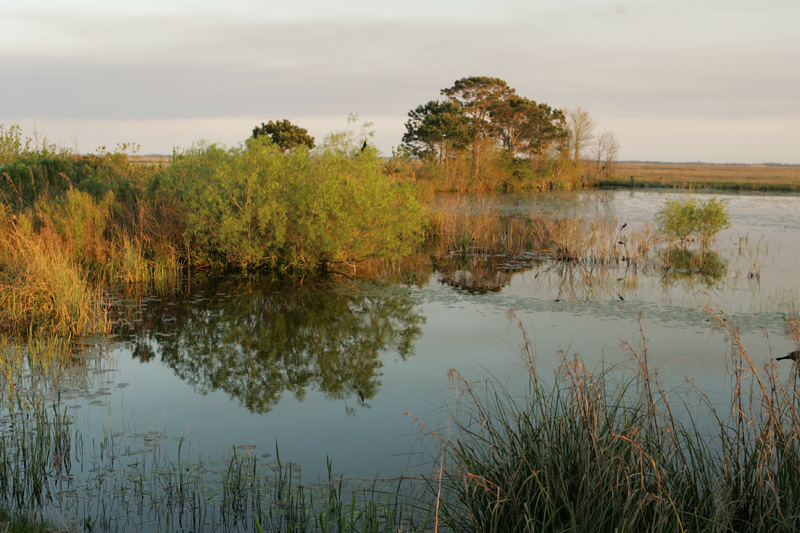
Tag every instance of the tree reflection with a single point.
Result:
(255, 339)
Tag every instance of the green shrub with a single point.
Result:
(256, 207)
(682, 218)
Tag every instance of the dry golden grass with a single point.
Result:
(743, 177)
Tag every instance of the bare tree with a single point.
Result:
(605, 150)
(581, 131)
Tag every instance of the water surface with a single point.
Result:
(337, 369)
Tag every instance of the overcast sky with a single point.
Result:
(677, 80)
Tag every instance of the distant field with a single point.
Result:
(150, 159)
(671, 175)
(704, 176)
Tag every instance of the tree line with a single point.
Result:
(482, 134)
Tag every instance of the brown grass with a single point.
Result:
(737, 177)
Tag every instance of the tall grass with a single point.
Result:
(42, 287)
(460, 225)
(614, 449)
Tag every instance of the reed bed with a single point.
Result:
(57, 259)
(52, 473)
(459, 225)
(614, 449)
(43, 288)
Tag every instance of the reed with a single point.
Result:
(51, 473)
(615, 449)
(42, 287)
(461, 225)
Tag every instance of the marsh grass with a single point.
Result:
(43, 288)
(459, 225)
(52, 473)
(615, 449)
(703, 176)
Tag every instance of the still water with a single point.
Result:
(343, 371)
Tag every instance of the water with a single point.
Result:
(348, 371)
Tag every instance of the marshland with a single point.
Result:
(258, 339)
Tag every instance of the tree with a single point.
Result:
(477, 96)
(285, 135)
(493, 126)
(523, 124)
(605, 150)
(436, 128)
(581, 131)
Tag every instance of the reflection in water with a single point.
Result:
(475, 272)
(704, 266)
(254, 339)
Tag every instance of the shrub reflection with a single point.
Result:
(255, 339)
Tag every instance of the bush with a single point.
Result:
(682, 218)
(258, 207)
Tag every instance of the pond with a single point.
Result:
(346, 371)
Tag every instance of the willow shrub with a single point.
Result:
(300, 211)
(683, 218)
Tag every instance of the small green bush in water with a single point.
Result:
(682, 218)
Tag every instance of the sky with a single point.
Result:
(678, 80)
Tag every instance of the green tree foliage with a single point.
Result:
(523, 125)
(682, 218)
(296, 211)
(285, 135)
(484, 121)
(436, 128)
(477, 96)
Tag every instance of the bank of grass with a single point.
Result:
(615, 449)
(64, 240)
(775, 178)
(581, 450)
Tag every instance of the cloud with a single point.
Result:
(197, 61)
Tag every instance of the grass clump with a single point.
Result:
(42, 286)
(614, 450)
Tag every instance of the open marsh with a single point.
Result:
(332, 370)
(706, 176)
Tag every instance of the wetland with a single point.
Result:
(205, 394)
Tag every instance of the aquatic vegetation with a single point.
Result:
(42, 286)
(590, 450)
(52, 473)
(459, 225)
(682, 218)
